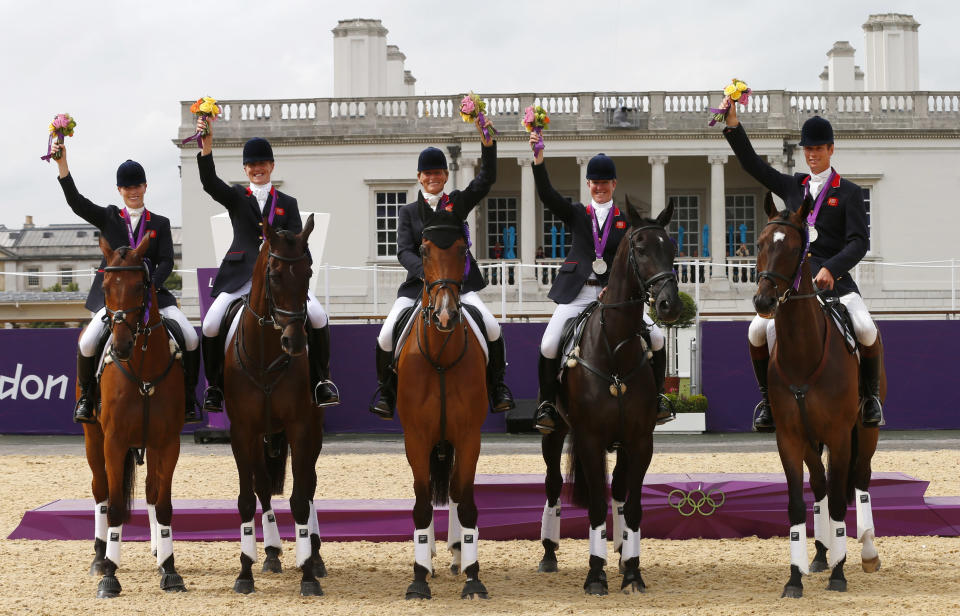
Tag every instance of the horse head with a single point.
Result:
(287, 281)
(444, 253)
(779, 255)
(126, 292)
(651, 255)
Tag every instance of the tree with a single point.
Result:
(688, 316)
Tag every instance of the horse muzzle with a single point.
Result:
(765, 305)
(293, 340)
(446, 319)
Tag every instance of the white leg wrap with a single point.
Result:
(619, 523)
(821, 522)
(114, 537)
(164, 543)
(152, 516)
(453, 528)
(598, 542)
(100, 521)
(798, 548)
(469, 537)
(303, 543)
(838, 542)
(248, 540)
(631, 544)
(312, 521)
(422, 553)
(550, 523)
(271, 534)
(864, 514)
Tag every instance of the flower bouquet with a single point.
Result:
(535, 119)
(208, 109)
(472, 108)
(62, 126)
(736, 92)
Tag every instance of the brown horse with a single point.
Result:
(141, 408)
(442, 403)
(609, 401)
(813, 388)
(267, 391)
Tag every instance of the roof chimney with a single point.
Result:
(28, 224)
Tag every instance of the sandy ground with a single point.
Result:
(919, 574)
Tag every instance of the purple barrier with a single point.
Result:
(918, 357)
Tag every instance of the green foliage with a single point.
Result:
(46, 325)
(693, 404)
(57, 287)
(688, 313)
(174, 282)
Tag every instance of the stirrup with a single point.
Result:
(872, 424)
(506, 399)
(83, 418)
(213, 400)
(379, 397)
(335, 400)
(546, 410)
(756, 413)
(664, 404)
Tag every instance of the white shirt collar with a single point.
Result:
(602, 209)
(261, 192)
(817, 181)
(431, 199)
(134, 215)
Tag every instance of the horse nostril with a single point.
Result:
(285, 341)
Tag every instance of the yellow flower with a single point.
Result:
(730, 90)
(208, 99)
(741, 86)
(209, 108)
(735, 96)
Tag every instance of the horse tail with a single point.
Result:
(275, 455)
(129, 482)
(441, 461)
(852, 470)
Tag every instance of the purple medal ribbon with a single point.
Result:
(135, 243)
(273, 206)
(811, 220)
(599, 244)
(49, 155)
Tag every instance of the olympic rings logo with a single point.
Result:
(696, 501)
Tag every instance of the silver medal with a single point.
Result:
(599, 267)
(812, 233)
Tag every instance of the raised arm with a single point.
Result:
(555, 202)
(778, 183)
(212, 184)
(408, 250)
(81, 206)
(487, 177)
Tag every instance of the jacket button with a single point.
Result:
(260, 224)
(809, 254)
(260, 238)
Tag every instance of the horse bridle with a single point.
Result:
(271, 317)
(112, 317)
(789, 293)
(428, 311)
(646, 285)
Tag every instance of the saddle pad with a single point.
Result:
(175, 344)
(233, 317)
(840, 316)
(415, 312)
(571, 334)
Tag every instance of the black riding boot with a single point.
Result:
(665, 412)
(83, 412)
(762, 417)
(548, 418)
(386, 385)
(500, 397)
(213, 369)
(191, 372)
(325, 393)
(870, 386)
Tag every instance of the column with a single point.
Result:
(717, 214)
(658, 185)
(468, 171)
(584, 190)
(528, 216)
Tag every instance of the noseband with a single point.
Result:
(272, 310)
(113, 317)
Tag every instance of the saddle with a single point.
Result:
(572, 333)
(231, 319)
(401, 329)
(838, 314)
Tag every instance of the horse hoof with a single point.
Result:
(96, 567)
(172, 582)
(792, 592)
(548, 566)
(108, 588)
(272, 564)
(455, 569)
(598, 589)
(871, 565)
(818, 565)
(633, 588)
(243, 586)
(310, 588)
(837, 585)
(621, 568)
(418, 590)
(474, 589)
(319, 569)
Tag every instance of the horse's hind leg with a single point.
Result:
(93, 441)
(552, 448)
(618, 497)
(272, 544)
(170, 580)
(246, 451)
(866, 446)
(304, 460)
(821, 512)
(638, 463)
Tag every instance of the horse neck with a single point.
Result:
(800, 327)
(258, 286)
(622, 285)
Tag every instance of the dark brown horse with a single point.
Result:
(141, 408)
(609, 401)
(442, 403)
(813, 388)
(267, 390)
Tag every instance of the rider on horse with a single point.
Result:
(839, 238)
(126, 227)
(432, 175)
(248, 207)
(597, 229)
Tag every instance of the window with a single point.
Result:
(66, 276)
(388, 204)
(47, 235)
(684, 228)
(33, 278)
(81, 234)
(556, 239)
(501, 220)
(741, 217)
(866, 202)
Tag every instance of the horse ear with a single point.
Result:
(806, 207)
(307, 229)
(632, 215)
(663, 218)
(269, 234)
(141, 249)
(105, 249)
(769, 206)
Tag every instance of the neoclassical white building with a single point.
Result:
(355, 155)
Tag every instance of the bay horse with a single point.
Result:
(609, 401)
(442, 403)
(813, 389)
(142, 389)
(268, 401)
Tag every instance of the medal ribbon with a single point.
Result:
(599, 244)
(811, 221)
(273, 205)
(135, 243)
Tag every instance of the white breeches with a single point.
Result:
(763, 330)
(385, 338)
(96, 328)
(551, 336)
(211, 323)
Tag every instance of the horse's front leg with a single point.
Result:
(120, 467)
(866, 447)
(592, 457)
(821, 512)
(836, 493)
(262, 487)
(467, 452)
(637, 462)
(246, 449)
(93, 441)
(304, 461)
(418, 455)
(170, 580)
(791, 456)
(552, 447)
(618, 497)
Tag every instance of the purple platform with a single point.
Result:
(511, 507)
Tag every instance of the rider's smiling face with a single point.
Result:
(818, 157)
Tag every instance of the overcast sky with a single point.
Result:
(121, 67)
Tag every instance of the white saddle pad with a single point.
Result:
(477, 335)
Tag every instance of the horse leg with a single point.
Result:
(593, 460)
(245, 453)
(272, 544)
(152, 490)
(836, 492)
(821, 513)
(423, 537)
(637, 463)
(303, 464)
(93, 441)
(791, 456)
(618, 496)
(552, 447)
(467, 452)
(866, 447)
(116, 458)
(316, 444)
(170, 580)
(454, 528)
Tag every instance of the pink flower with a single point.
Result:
(467, 105)
(528, 115)
(61, 121)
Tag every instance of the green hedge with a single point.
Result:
(693, 404)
